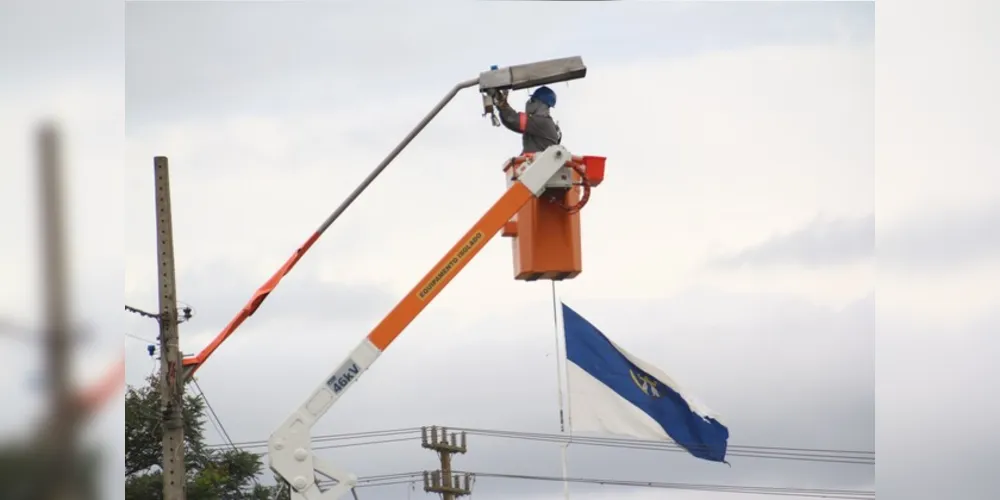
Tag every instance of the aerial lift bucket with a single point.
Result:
(545, 233)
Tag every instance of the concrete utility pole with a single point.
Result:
(61, 435)
(442, 481)
(171, 376)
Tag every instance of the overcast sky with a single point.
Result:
(733, 243)
(744, 123)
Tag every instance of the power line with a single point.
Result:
(749, 451)
(628, 440)
(406, 478)
(217, 423)
(531, 435)
(720, 488)
(220, 428)
(140, 312)
(341, 436)
(137, 337)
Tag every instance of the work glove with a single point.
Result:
(500, 98)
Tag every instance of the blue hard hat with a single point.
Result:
(545, 95)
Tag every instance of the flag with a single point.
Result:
(613, 392)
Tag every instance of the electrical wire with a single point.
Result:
(220, 428)
(365, 443)
(140, 312)
(404, 478)
(341, 436)
(213, 419)
(331, 441)
(137, 337)
(528, 435)
(409, 434)
(759, 490)
(217, 422)
(750, 451)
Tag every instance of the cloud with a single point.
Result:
(303, 309)
(934, 239)
(937, 308)
(945, 374)
(81, 40)
(301, 297)
(218, 74)
(933, 262)
(927, 239)
(822, 243)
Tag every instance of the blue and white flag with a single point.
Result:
(612, 391)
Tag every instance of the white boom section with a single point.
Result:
(290, 447)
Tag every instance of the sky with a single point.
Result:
(733, 244)
(726, 140)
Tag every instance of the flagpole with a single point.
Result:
(559, 384)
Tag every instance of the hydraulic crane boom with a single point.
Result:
(497, 79)
(289, 447)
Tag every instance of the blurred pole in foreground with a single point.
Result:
(171, 375)
(49, 463)
(61, 436)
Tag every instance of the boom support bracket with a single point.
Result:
(289, 448)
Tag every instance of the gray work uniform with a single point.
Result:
(537, 128)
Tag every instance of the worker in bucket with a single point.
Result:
(537, 128)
